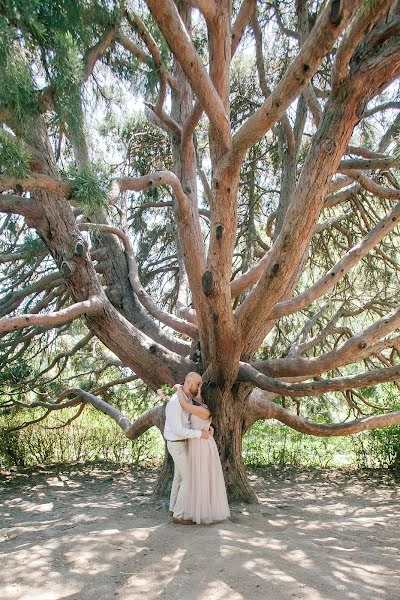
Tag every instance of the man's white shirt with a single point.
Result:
(177, 423)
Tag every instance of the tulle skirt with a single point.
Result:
(206, 499)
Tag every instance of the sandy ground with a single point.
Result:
(90, 533)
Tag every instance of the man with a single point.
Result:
(177, 432)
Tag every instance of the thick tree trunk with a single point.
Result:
(228, 435)
(162, 488)
(229, 422)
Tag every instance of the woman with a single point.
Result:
(206, 500)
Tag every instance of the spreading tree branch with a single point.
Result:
(91, 306)
(317, 388)
(355, 348)
(265, 409)
(154, 416)
(168, 319)
(342, 267)
(167, 17)
(299, 73)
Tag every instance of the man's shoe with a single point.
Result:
(178, 521)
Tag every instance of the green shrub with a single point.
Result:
(92, 437)
(379, 448)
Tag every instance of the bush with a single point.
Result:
(379, 448)
(91, 437)
(269, 443)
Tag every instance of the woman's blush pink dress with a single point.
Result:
(206, 499)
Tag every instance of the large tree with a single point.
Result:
(247, 231)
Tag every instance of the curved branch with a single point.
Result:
(380, 108)
(207, 8)
(140, 27)
(103, 388)
(238, 28)
(299, 73)
(171, 125)
(317, 388)
(154, 416)
(147, 182)
(45, 283)
(133, 49)
(243, 18)
(293, 241)
(96, 52)
(364, 152)
(168, 319)
(265, 409)
(286, 307)
(357, 347)
(189, 230)
(167, 18)
(367, 164)
(341, 197)
(291, 144)
(21, 206)
(190, 125)
(342, 267)
(368, 184)
(15, 256)
(91, 306)
(35, 181)
(367, 16)
(27, 423)
(46, 99)
(62, 355)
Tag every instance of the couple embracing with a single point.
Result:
(198, 493)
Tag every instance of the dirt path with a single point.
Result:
(89, 533)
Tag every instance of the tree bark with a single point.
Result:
(229, 424)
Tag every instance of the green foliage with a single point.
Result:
(32, 246)
(14, 156)
(274, 444)
(89, 188)
(380, 448)
(17, 371)
(93, 437)
(16, 86)
(67, 72)
(24, 13)
(167, 390)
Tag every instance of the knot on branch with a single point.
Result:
(66, 269)
(336, 12)
(207, 282)
(275, 269)
(328, 147)
(195, 356)
(79, 249)
(219, 231)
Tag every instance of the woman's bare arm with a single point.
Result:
(199, 411)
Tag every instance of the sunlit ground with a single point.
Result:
(88, 533)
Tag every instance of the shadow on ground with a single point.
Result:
(92, 533)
